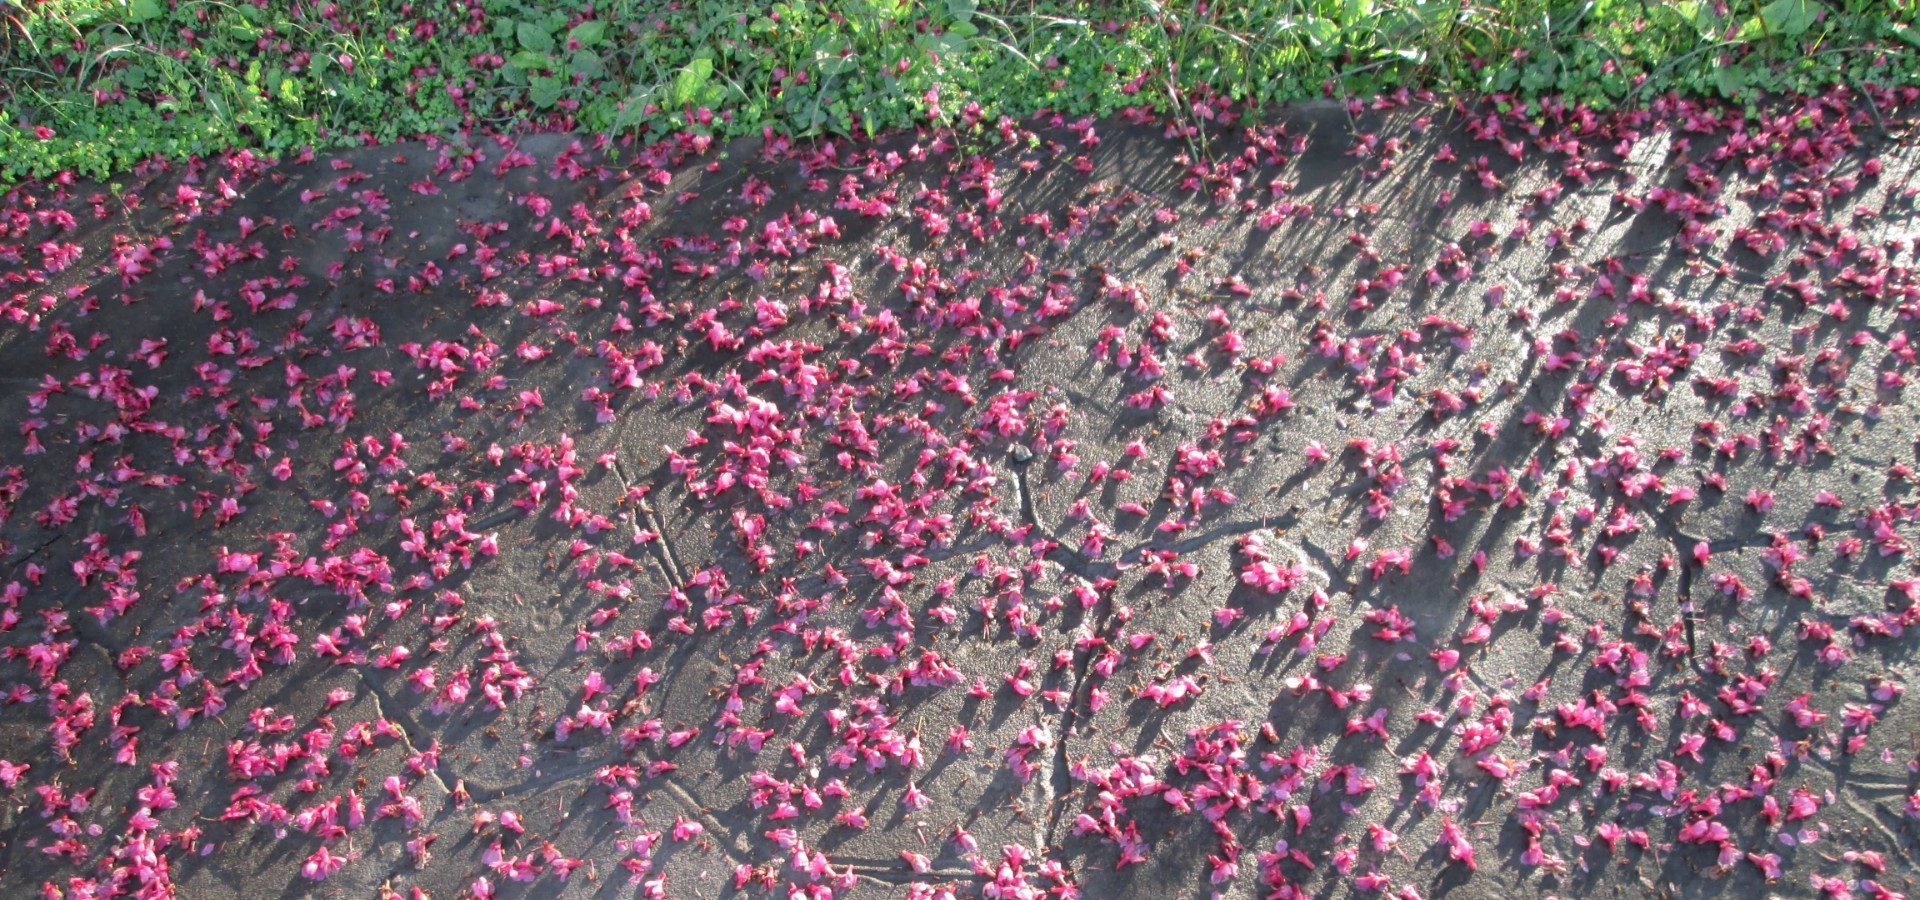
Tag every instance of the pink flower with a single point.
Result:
(321, 864)
(1767, 863)
(1459, 849)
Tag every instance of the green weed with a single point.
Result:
(95, 86)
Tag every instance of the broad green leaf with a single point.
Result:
(530, 60)
(633, 110)
(831, 63)
(1791, 18)
(942, 45)
(1321, 32)
(597, 114)
(691, 81)
(588, 33)
(962, 10)
(1537, 78)
(544, 92)
(1728, 81)
(1699, 15)
(586, 63)
(535, 38)
(144, 10)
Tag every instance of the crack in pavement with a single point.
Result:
(1318, 560)
(1200, 541)
(496, 518)
(1060, 779)
(1871, 813)
(1058, 552)
(892, 876)
(400, 718)
(665, 556)
(671, 560)
(1683, 588)
(501, 792)
(739, 852)
(1683, 544)
(942, 554)
(38, 549)
(731, 844)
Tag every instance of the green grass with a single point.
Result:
(93, 87)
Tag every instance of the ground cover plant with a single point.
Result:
(95, 86)
(1407, 498)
